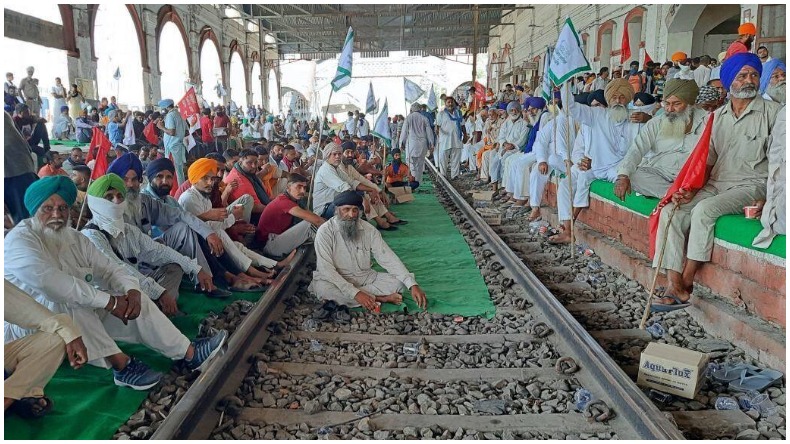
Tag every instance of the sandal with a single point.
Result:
(247, 287)
(325, 311)
(676, 304)
(731, 372)
(342, 315)
(30, 408)
(757, 380)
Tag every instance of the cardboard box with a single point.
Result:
(483, 195)
(491, 217)
(402, 194)
(672, 369)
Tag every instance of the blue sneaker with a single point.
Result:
(205, 349)
(136, 375)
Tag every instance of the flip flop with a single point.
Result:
(399, 222)
(30, 408)
(342, 315)
(757, 380)
(731, 372)
(677, 304)
(325, 311)
(251, 289)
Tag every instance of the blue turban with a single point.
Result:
(64, 108)
(270, 119)
(768, 69)
(348, 145)
(159, 165)
(123, 164)
(41, 190)
(536, 102)
(164, 103)
(514, 105)
(733, 65)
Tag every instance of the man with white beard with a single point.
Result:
(474, 129)
(496, 118)
(660, 150)
(736, 176)
(450, 136)
(416, 138)
(609, 134)
(63, 270)
(772, 81)
(512, 136)
(519, 164)
(343, 247)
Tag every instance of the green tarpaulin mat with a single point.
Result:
(434, 250)
(67, 143)
(88, 404)
(734, 228)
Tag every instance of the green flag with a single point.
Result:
(343, 75)
(382, 127)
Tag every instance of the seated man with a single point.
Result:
(397, 173)
(736, 174)
(347, 278)
(54, 167)
(157, 267)
(490, 142)
(81, 176)
(61, 268)
(31, 362)
(773, 213)
(75, 159)
(203, 176)
(331, 180)
(512, 136)
(245, 173)
(284, 226)
(661, 148)
(63, 126)
(551, 156)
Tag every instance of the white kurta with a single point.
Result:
(344, 268)
(515, 133)
(520, 166)
(417, 135)
(329, 182)
(773, 218)
(449, 145)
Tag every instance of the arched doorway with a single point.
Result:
(634, 21)
(255, 83)
(238, 87)
(274, 96)
(295, 102)
(605, 36)
(173, 62)
(117, 52)
(702, 29)
(211, 74)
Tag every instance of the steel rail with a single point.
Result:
(627, 399)
(195, 416)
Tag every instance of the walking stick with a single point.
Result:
(658, 269)
(566, 108)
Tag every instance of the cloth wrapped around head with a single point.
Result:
(41, 190)
(679, 56)
(747, 29)
(645, 98)
(707, 94)
(111, 114)
(395, 151)
(514, 105)
(166, 103)
(620, 86)
(768, 70)
(108, 181)
(123, 164)
(597, 96)
(159, 165)
(64, 108)
(415, 107)
(685, 90)
(201, 168)
(733, 65)
(581, 98)
(348, 197)
(536, 102)
(348, 145)
(330, 148)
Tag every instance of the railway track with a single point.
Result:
(420, 375)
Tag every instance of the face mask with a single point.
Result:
(634, 71)
(107, 215)
(685, 68)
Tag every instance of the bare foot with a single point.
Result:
(562, 238)
(534, 215)
(394, 298)
(519, 203)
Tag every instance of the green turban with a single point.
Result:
(41, 190)
(106, 182)
(685, 90)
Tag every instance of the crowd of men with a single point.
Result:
(91, 259)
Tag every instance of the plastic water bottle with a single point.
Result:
(315, 346)
(656, 330)
(726, 403)
(310, 324)
(581, 398)
(411, 349)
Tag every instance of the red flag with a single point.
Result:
(647, 59)
(188, 105)
(99, 140)
(334, 120)
(150, 133)
(625, 53)
(691, 177)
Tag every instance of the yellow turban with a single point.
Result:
(747, 28)
(621, 86)
(202, 168)
(679, 56)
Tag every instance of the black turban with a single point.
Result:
(598, 96)
(645, 98)
(349, 197)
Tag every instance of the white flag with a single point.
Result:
(371, 106)
(432, 106)
(382, 128)
(546, 89)
(343, 74)
(128, 133)
(412, 91)
(568, 57)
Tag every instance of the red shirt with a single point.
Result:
(48, 170)
(207, 129)
(222, 122)
(181, 188)
(734, 48)
(275, 218)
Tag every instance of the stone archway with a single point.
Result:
(688, 26)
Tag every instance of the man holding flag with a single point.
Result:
(734, 176)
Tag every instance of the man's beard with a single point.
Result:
(132, 193)
(533, 120)
(50, 233)
(277, 158)
(673, 126)
(618, 113)
(777, 92)
(349, 228)
(748, 91)
(348, 161)
(162, 190)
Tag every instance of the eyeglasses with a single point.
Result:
(49, 209)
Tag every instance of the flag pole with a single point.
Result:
(315, 163)
(646, 313)
(566, 109)
(84, 201)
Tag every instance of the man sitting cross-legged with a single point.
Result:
(343, 246)
(61, 268)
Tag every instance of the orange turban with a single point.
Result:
(747, 28)
(679, 56)
(202, 168)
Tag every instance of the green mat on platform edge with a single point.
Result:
(434, 250)
(88, 404)
(69, 143)
(734, 228)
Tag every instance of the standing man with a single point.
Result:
(20, 170)
(174, 130)
(363, 127)
(416, 139)
(702, 73)
(602, 79)
(28, 89)
(743, 43)
(351, 124)
(451, 134)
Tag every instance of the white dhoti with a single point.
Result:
(581, 189)
(497, 161)
(518, 177)
(537, 181)
(485, 164)
(374, 284)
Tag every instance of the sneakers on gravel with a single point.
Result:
(205, 349)
(136, 375)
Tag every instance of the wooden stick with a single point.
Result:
(84, 202)
(566, 108)
(658, 270)
(315, 163)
